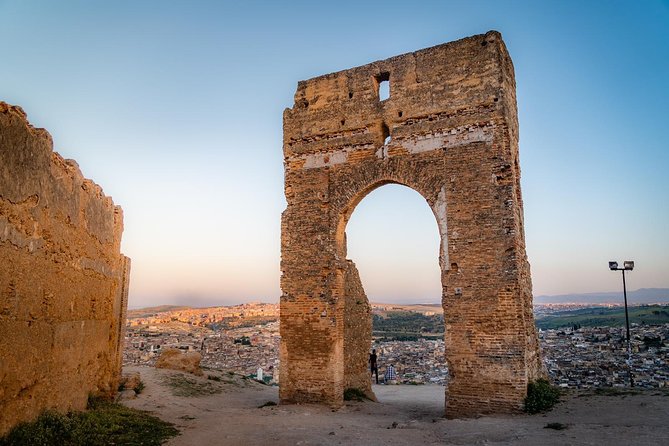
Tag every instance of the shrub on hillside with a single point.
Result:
(541, 396)
(353, 394)
(104, 423)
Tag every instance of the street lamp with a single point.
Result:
(628, 265)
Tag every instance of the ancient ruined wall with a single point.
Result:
(63, 280)
(452, 122)
(357, 333)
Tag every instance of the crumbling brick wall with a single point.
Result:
(357, 333)
(449, 130)
(63, 280)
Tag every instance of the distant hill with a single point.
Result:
(605, 317)
(640, 296)
(381, 308)
(149, 311)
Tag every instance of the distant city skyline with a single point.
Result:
(175, 109)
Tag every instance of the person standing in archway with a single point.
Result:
(373, 365)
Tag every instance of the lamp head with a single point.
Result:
(613, 266)
(629, 265)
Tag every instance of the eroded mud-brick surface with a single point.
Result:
(63, 280)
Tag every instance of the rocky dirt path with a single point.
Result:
(227, 412)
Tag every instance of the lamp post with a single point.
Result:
(628, 265)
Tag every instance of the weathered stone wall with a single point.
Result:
(63, 281)
(357, 333)
(452, 122)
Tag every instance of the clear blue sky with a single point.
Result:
(175, 109)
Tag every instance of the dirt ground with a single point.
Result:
(226, 410)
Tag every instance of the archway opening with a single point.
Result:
(393, 239)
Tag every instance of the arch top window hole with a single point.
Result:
(384, 90)
(383, 86)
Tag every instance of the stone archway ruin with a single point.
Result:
(449, 130)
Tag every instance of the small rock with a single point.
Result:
(172, 358)
(128, 394)
(130, 381)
